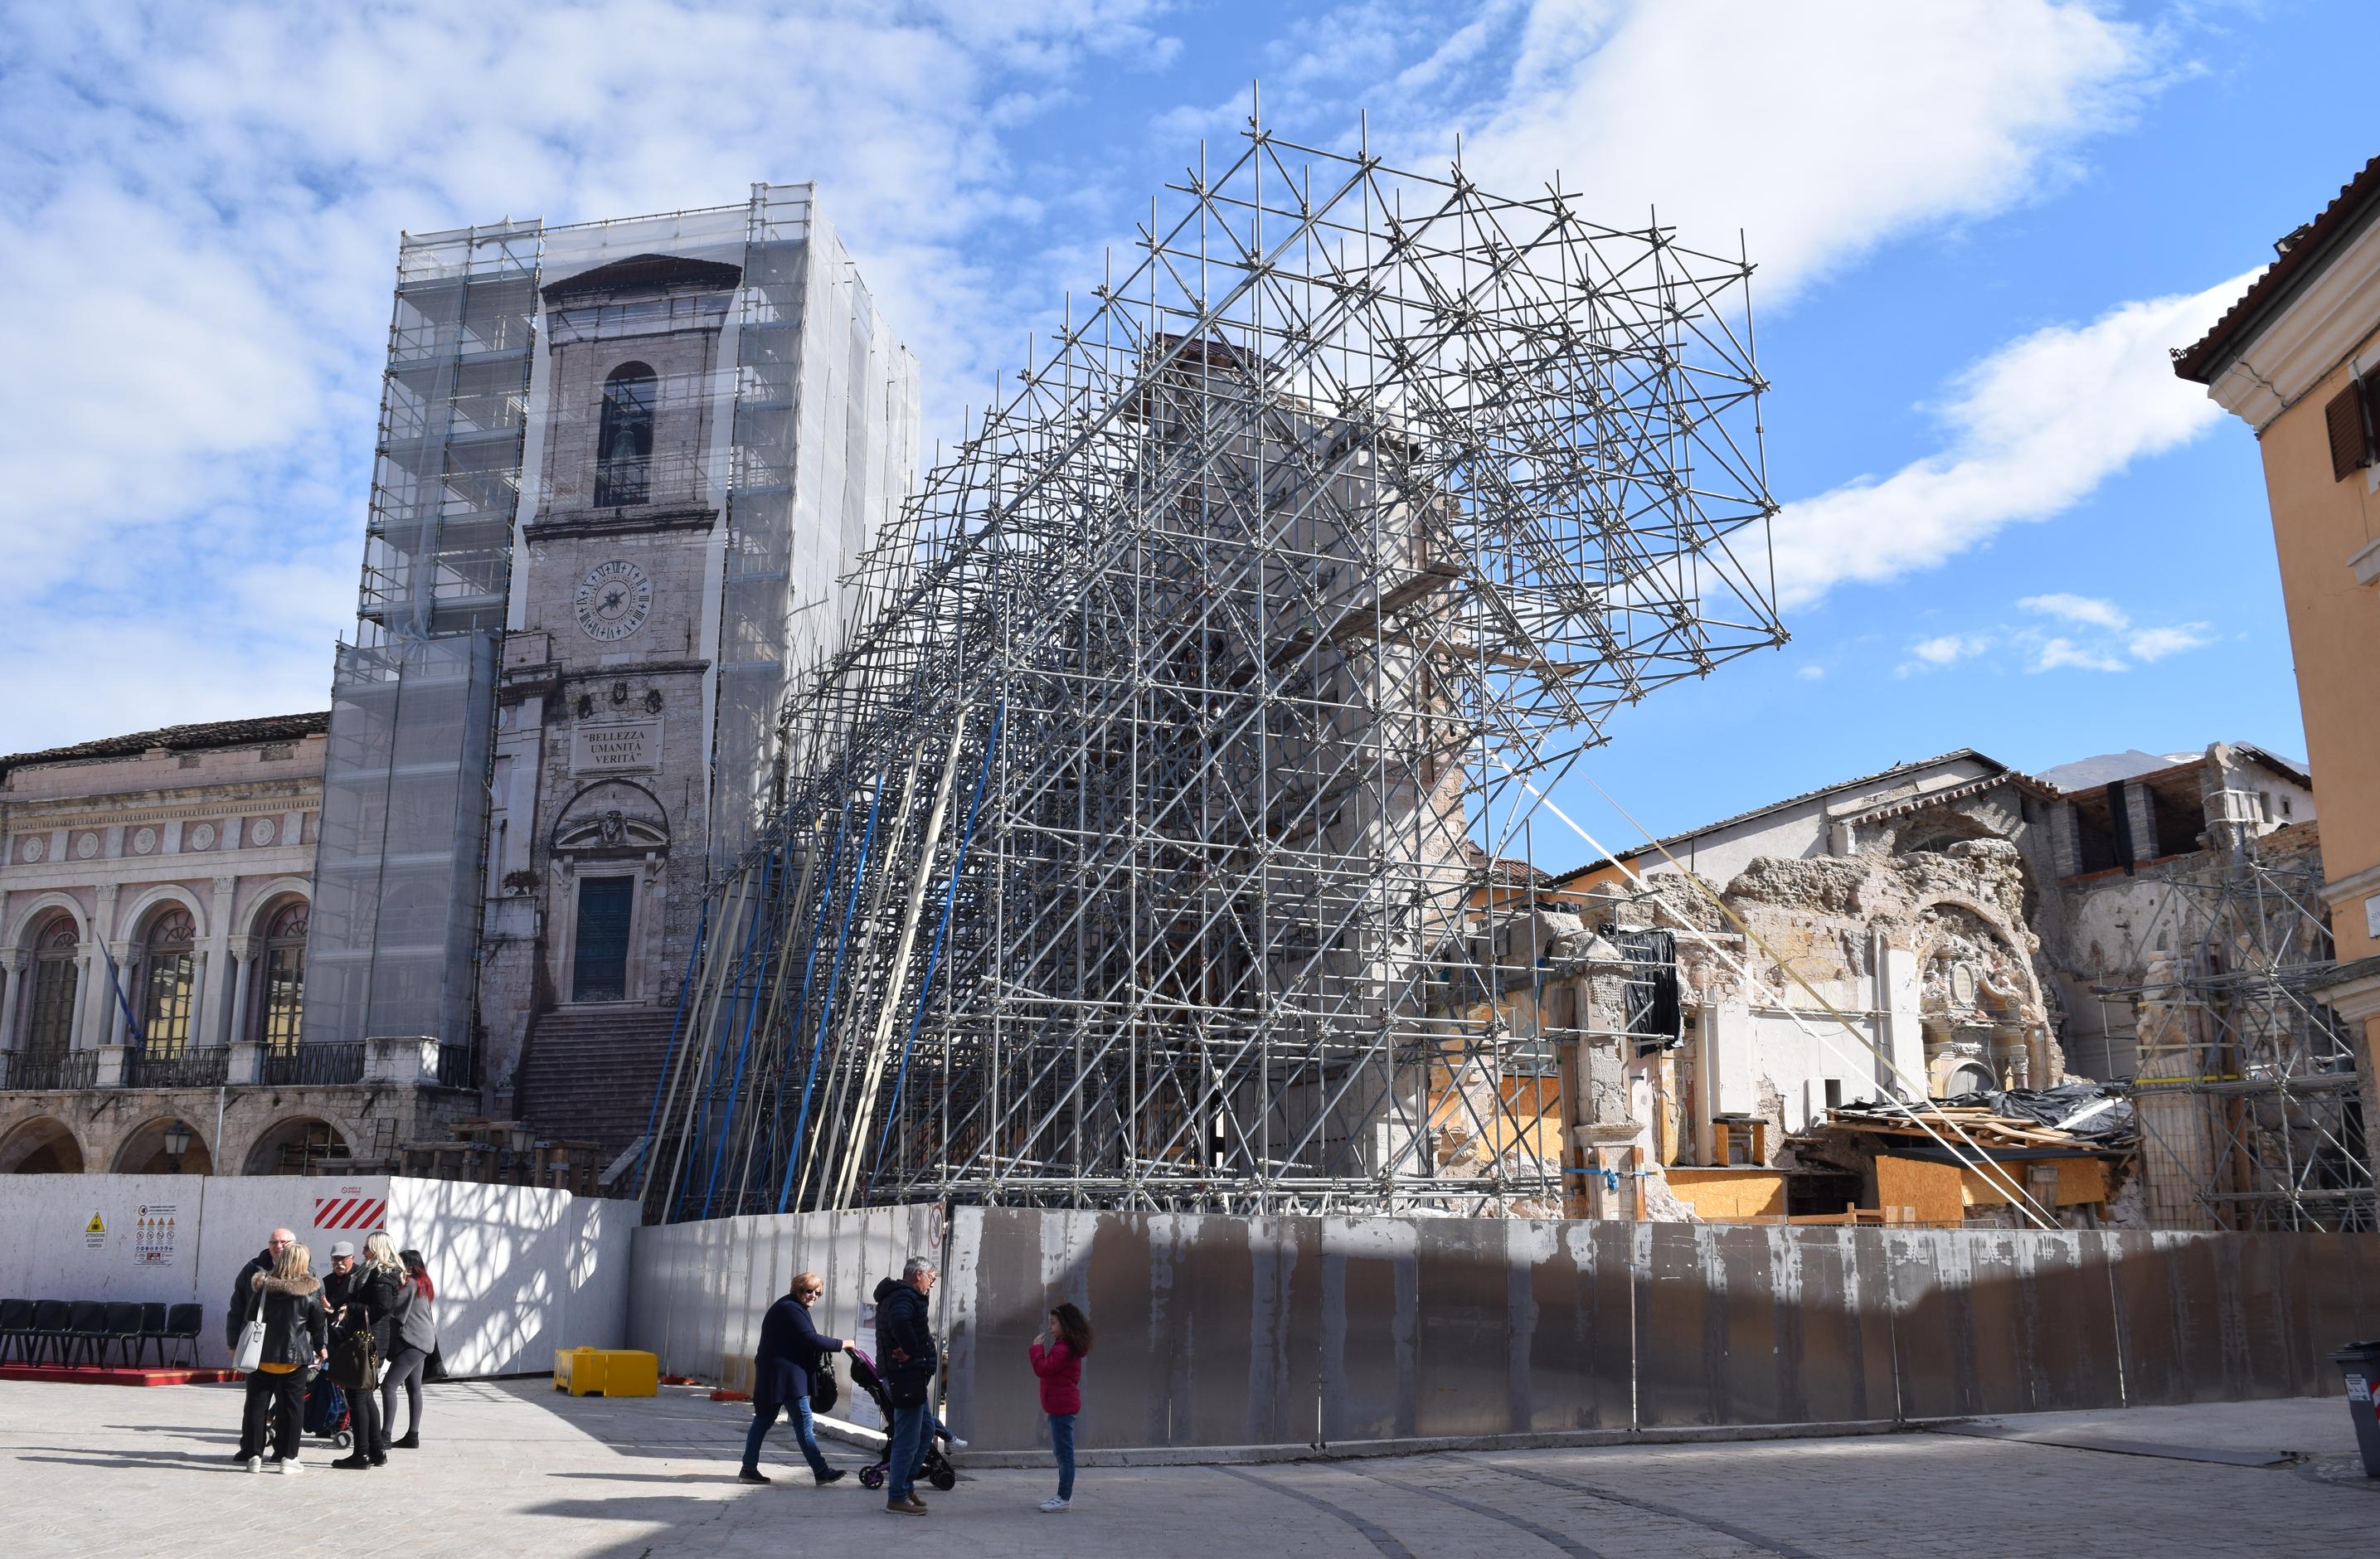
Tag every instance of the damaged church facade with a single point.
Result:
(1718, 1005)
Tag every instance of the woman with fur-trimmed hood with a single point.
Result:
(296, 1333)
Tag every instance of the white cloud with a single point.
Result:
(2156, 643)
(1950, 648)
(2033, 429)
(2096, 635)
(1811, 673)
(2064, 652)
(1816, 130)
(2077, 609)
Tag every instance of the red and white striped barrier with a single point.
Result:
(349, 1210)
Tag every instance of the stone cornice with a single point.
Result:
(42, 817)
(2294, 349)
(2355, 884)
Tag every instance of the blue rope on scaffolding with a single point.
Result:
(770, 870)
(718, 1057)
(809, 971)
(942, 932)
(833, 984)
(669, 1056)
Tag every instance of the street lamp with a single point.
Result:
(177, 1142)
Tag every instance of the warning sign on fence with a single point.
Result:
(94, 1234)
(153, 1236)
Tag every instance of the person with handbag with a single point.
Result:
(362, 1297)
(282, 1330)
(243, 1305)
(789, 1370)
(414, 1334)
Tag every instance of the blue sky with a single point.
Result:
(1979, 227)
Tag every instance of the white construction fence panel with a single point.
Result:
(519, 1270)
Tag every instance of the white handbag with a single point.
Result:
(251, 1352)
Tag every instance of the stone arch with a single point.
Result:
(142, 1151)
(1938, 828)
(267, 902)
(1955, 1074)
(298, 1132)
(612, 817)
(37, 911)
(1991, 924)
(43, 1145)
(132, 922)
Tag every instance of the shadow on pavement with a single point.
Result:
(728, 1477)
(191, 1461)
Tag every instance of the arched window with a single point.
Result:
(624, 443)
(284, 979)
(48, 1022)
(166, 983)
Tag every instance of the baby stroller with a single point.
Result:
(326, 1412)
(937, 1469)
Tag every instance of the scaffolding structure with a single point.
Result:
(2247, 1094)
(396, 910)
(1176, 756)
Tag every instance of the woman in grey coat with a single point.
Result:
(416, 1325)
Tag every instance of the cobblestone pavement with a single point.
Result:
(514, 1468)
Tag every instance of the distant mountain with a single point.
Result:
(2109, 767)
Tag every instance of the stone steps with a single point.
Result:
(590, 1074)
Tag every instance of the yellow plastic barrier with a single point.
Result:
(606, 1373)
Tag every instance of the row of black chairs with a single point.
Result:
(71, 1332)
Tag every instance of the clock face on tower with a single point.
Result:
(612, 600)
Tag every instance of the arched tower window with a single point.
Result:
(169, 976)
(284, 979)
(49, 1019)
(624, 442)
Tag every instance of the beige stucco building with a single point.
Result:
(154, 896)
(2298, 359)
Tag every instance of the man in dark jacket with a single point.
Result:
(907, 1355)
(792, 1352)
(241, 1309)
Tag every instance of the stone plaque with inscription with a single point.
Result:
(635, 744)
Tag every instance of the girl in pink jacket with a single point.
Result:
(1060, 1365)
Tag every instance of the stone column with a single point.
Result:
(2065, 840)
(1898, 998)
(89, 971)
(115, 1032)
(114, 1061)
(207, 1024)
(241, 950)
(2140, 812)
(12, 994)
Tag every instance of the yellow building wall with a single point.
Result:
(2318, 524)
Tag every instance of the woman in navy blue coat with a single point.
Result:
(791, 1350)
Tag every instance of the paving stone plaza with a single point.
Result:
(511, 1468)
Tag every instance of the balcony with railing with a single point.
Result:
(313, 1066)
(22, 1072)
(186, 1066)
(459, 1065)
